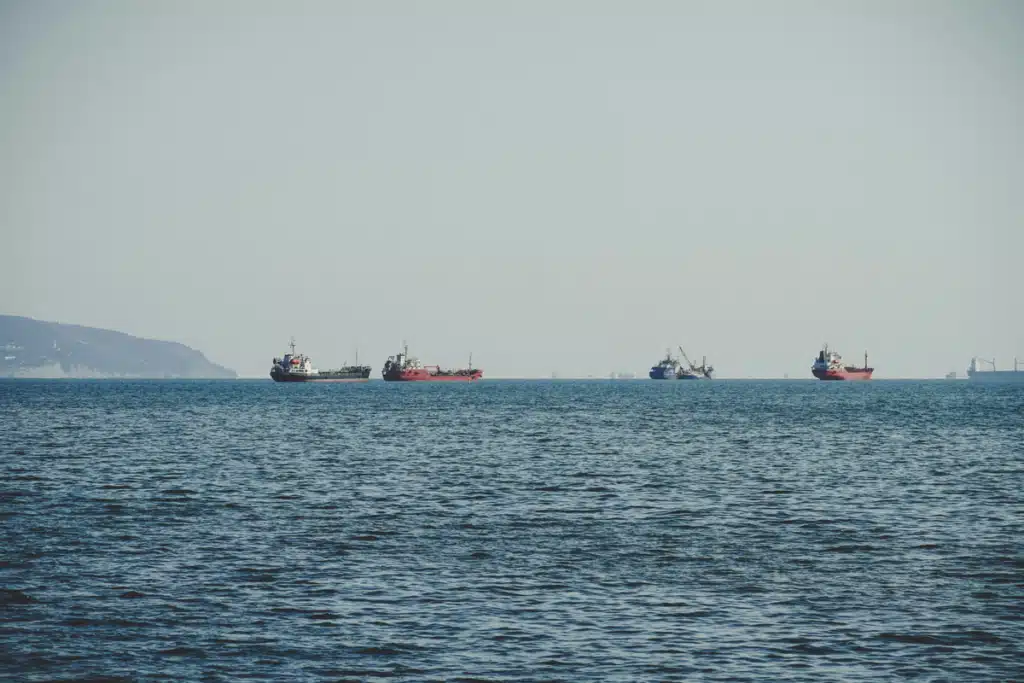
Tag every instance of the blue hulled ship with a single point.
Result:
(666, 368)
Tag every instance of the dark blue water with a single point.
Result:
(570, 531)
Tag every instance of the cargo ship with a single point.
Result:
(977, 374)
(403, 368)
(673, 368)
(296, 367)
(829, 366)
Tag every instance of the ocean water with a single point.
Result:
(511, 531)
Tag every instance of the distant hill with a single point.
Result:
(34, 348)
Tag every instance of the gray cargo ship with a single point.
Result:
(977, 374)
(296, 367)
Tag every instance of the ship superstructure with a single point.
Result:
(666, 368)
(829, 366)
(405, 368)
(297, 367)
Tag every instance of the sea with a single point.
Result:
(511, 531)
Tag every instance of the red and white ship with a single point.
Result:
(829, 365)
(403, 368)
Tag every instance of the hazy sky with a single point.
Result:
(555, 186)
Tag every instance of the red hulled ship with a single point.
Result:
(829, 366)
(403, 368)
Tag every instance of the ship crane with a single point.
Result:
(703, 367)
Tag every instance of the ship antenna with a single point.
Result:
(865, 360)
(470, 360)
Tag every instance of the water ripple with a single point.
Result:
(511, 531)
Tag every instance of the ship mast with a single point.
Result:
(292, 344)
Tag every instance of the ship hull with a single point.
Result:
(424, 376)
(323, 377)
(689, 375)
(838, 375)
(997, 376)
(662, 373)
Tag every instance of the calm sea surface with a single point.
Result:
(511, 531)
